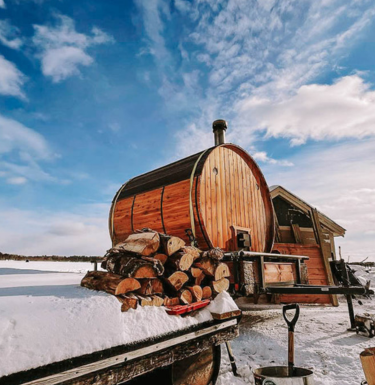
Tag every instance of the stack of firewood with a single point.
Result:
(153, 269)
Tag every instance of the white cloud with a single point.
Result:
(60, 63)
(11, 79)
(83, 231)
(63, 49)
(2, 4)
(262, 156)
(8, 35)
(345, 109)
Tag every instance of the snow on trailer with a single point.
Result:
(50, 325)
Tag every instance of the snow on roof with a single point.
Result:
(46, 316)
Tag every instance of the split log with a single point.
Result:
(101, 281)
(170, 244)
(186, 297)
(158, 265)
(222, 271)
(144, 300)
(195, 252)
(207, 265)
(145, 243)
(200, 279)
(161, 257)
(181, 261)
(177, 280)
(220, 285)
(127, 285)
(128, 302)
(157, 301)
(196, 291)
(150, 286)
(152, 300)
(206, 292)
(216, 254)
(130, 266)
(168, 302)
(195, 272)
(368, 365)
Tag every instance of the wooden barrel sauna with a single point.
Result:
(216, 193)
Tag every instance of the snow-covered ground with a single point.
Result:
(45, 316)
(322, 343)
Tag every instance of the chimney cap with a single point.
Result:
(219, 124)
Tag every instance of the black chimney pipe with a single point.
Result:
(219, 127)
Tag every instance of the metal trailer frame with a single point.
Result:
(341, 275)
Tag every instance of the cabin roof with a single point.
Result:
(331, 225)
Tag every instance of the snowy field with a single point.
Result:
(45, 316)
(322, 343)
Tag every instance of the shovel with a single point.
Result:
(291, 324)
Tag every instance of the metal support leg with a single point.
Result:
(349, 300)
(231, 359)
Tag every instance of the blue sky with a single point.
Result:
(94, 92)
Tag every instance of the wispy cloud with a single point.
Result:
(262, 157)
(11, 79)
(21, 139)
(9, 35)
(264, 50)
(2, 4)
(62, 49)
(153, 13)
(21, 150)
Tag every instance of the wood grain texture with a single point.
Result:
(234, 197)
(122, 220)
(147, 211)
(315, 267)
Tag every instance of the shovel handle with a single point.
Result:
(291, 323)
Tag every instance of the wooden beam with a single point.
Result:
(297, 233)
(326, 255)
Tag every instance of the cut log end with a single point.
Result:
(186, 297)
(178, 279)
(127, 285)
(220, 285)
(206, 292)
(168, 302)
(196, 291)
(171, 244)
(221, 271)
